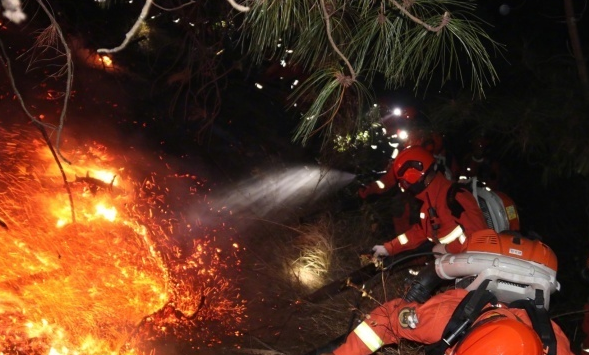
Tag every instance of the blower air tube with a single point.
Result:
(423, 285)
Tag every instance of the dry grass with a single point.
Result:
(313, 253)
(310, 256)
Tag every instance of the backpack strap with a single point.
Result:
(455, 207)
(464, 315)
(540, 320)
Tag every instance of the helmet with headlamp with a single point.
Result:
(411, 168)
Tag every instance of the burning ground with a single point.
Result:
(118, 267)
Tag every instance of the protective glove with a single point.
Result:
(439, 248)
(379, 251)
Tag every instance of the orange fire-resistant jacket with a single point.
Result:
(383, 326)
(452, 231)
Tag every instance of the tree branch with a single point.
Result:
(5, 61)
(70, 78)
(443, 23)
(352, 77)
(174, 8)
(132, 31)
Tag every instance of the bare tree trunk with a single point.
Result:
(576, 44)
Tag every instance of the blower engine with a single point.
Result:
(517, 268)
(498, 208)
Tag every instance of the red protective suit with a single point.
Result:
(470, 220)
(384, 326)
(380, 186)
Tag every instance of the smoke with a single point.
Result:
(277, 194)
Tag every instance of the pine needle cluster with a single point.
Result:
(345, 46)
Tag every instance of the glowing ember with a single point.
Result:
(129, 273)
(106, 60)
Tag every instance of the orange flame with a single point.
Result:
(119, 279)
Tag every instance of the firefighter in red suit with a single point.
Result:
(430, 141)
(447, 225)
(433, 142)
(497, 330)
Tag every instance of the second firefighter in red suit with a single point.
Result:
(433, 142)
(441, 223)
(498, 330)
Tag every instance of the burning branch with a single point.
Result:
(94, 184)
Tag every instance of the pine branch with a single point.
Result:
(129, 35)
(352, 78)
(409, 41)
(443, 23)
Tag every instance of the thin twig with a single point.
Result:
(332, 42)
(70, 78)
(131, 32)
(443, 23)
(174, 8)
(334, 112)
(363, 291)
(5, 61)
(581, 311)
